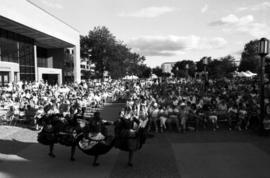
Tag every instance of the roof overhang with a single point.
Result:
(40, 38)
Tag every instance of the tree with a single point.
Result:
(97, 47)
(250, 58)
(144, 71)
(179, 69)
(200, 64)
(157, 71)
(223, 67)
(87, 74)
(101, 48)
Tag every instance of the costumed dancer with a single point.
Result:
(58, 129)
(47, 136)
(95, 141)
(130, 133)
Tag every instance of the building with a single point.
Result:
(35, 45)
(167, 67)
(86, 69)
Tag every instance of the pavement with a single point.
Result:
(203, 154)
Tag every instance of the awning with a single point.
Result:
(41, 39)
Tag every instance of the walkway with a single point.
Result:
(203, 154)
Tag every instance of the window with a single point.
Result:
(19, 49)
(26, 61)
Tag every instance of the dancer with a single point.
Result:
(58, 129)
(130, 133)
(96, 141)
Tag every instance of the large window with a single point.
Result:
(19, 49)
(26, 61)
(8, 50)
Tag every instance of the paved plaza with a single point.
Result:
(202, 154)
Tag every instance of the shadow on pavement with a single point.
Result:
(27, 160)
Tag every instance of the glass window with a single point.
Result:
(19, 49)
(9, 50)
(26, 61)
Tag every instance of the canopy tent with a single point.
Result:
(251, 73)
(130, 77)
(154, 76)
(245, 74)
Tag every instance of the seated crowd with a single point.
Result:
(169, 105)
(30, 101)
(182, 105)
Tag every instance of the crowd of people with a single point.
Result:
(150, 106)
(29, 101)
(193, 105)
(169, 105)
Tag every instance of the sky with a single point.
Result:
(170, 30)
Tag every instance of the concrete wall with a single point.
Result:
(10, 67)
(42, 70)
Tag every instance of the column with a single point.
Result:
(35, 61)
(11, 76)
(77, 62)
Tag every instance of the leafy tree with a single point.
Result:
(166, 74)
(180, 70)
(101, 48)
(223, 67)
(144, 71)
(157, 71)
(87, 74)
(250, 58)
(200, 64)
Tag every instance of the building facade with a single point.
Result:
(35, 45)
(86, 69)
(167, 67)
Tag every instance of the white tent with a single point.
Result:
(130, 77)
(250, 73)
(245, 74)
(154, 76)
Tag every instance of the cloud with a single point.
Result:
(244, 24)
(261, 6)
(149, 12)
(233, 20)
(239, 9)
(256, 7)
(204, 8)
(52, 4)
(238, 52)
(173, 45)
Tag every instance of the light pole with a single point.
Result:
(205, 62)
(263, 50)
(177, 72)
(187, 67)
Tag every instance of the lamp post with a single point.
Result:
(187, 67)
(205, 62)
(263, 50)
(177, 72)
